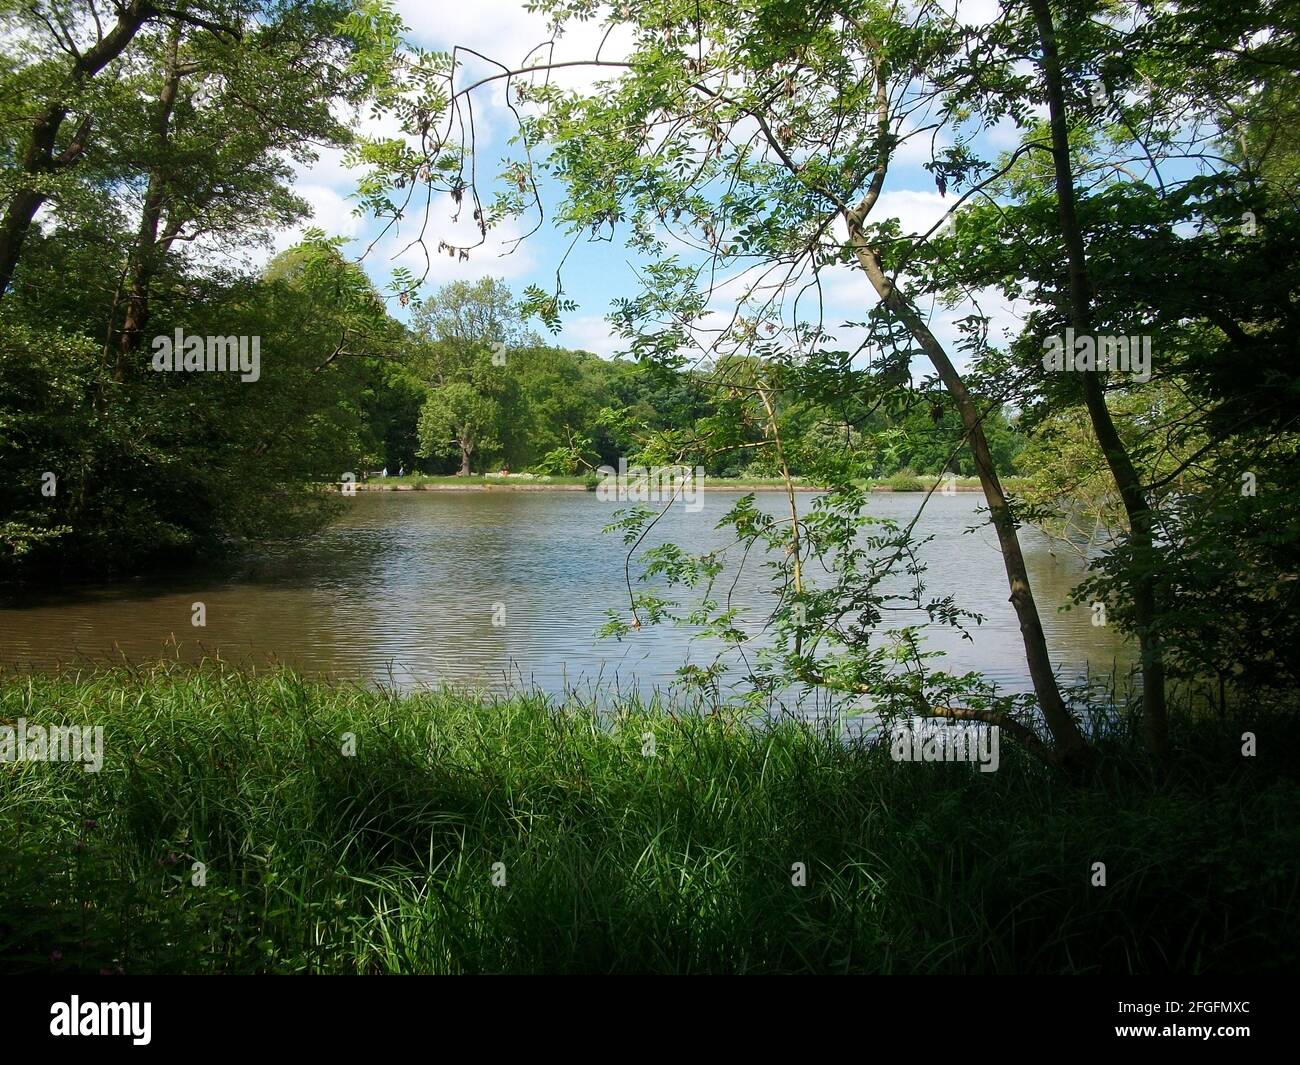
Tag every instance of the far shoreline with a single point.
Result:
(480, 484)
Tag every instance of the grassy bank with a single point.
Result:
(612, 860)
(422, 480)
(426, 482)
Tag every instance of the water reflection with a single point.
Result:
(404, 587)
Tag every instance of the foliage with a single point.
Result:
(613, 861)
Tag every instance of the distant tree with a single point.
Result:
(459, 419)
(466, 332)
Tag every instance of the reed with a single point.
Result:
(472, 834)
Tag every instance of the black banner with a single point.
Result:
(340, 1014)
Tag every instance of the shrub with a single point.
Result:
(905, 480)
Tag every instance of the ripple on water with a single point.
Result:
(405, 588)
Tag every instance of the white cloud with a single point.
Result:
(501, 29)
(921, 136)
(591, 333)
(328, 169)
(503, 33)
(329, 211)
(406, 247)
(1005, 320)
(1005, 136)
(916, 210)
(977, 12)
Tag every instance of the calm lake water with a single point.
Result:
(402, 590)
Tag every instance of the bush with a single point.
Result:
(905, 481)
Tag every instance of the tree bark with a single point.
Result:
(1141, 519)
(147, 243)
(1071, 749)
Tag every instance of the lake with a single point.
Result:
(405, 587)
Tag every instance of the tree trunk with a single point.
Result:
(1072, 749)
(147, 243)
(39, 158)
(466, 451)
(13, 232)
(1136, 506)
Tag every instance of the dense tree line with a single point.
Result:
(497, 396)
(139, 144)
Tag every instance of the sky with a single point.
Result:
(595, 273)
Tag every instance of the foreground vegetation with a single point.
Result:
(613, 860)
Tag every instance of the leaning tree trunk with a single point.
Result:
(13, 232)
(1071, 749)
(1136, 505)
(39, 157)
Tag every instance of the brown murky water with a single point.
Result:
(403, 590)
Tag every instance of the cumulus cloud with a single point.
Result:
(503, 33)
(977, 12)
(404, 247)
(329, 211)
(590, 333)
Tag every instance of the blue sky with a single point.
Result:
(595, 273)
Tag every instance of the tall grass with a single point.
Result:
(612, 860)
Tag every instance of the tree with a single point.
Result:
(750, 136)
(560, 395)
(63, 82)
(459, 419)
(147, 131)
(466, 333)
(1128, 100)
(227, 116)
